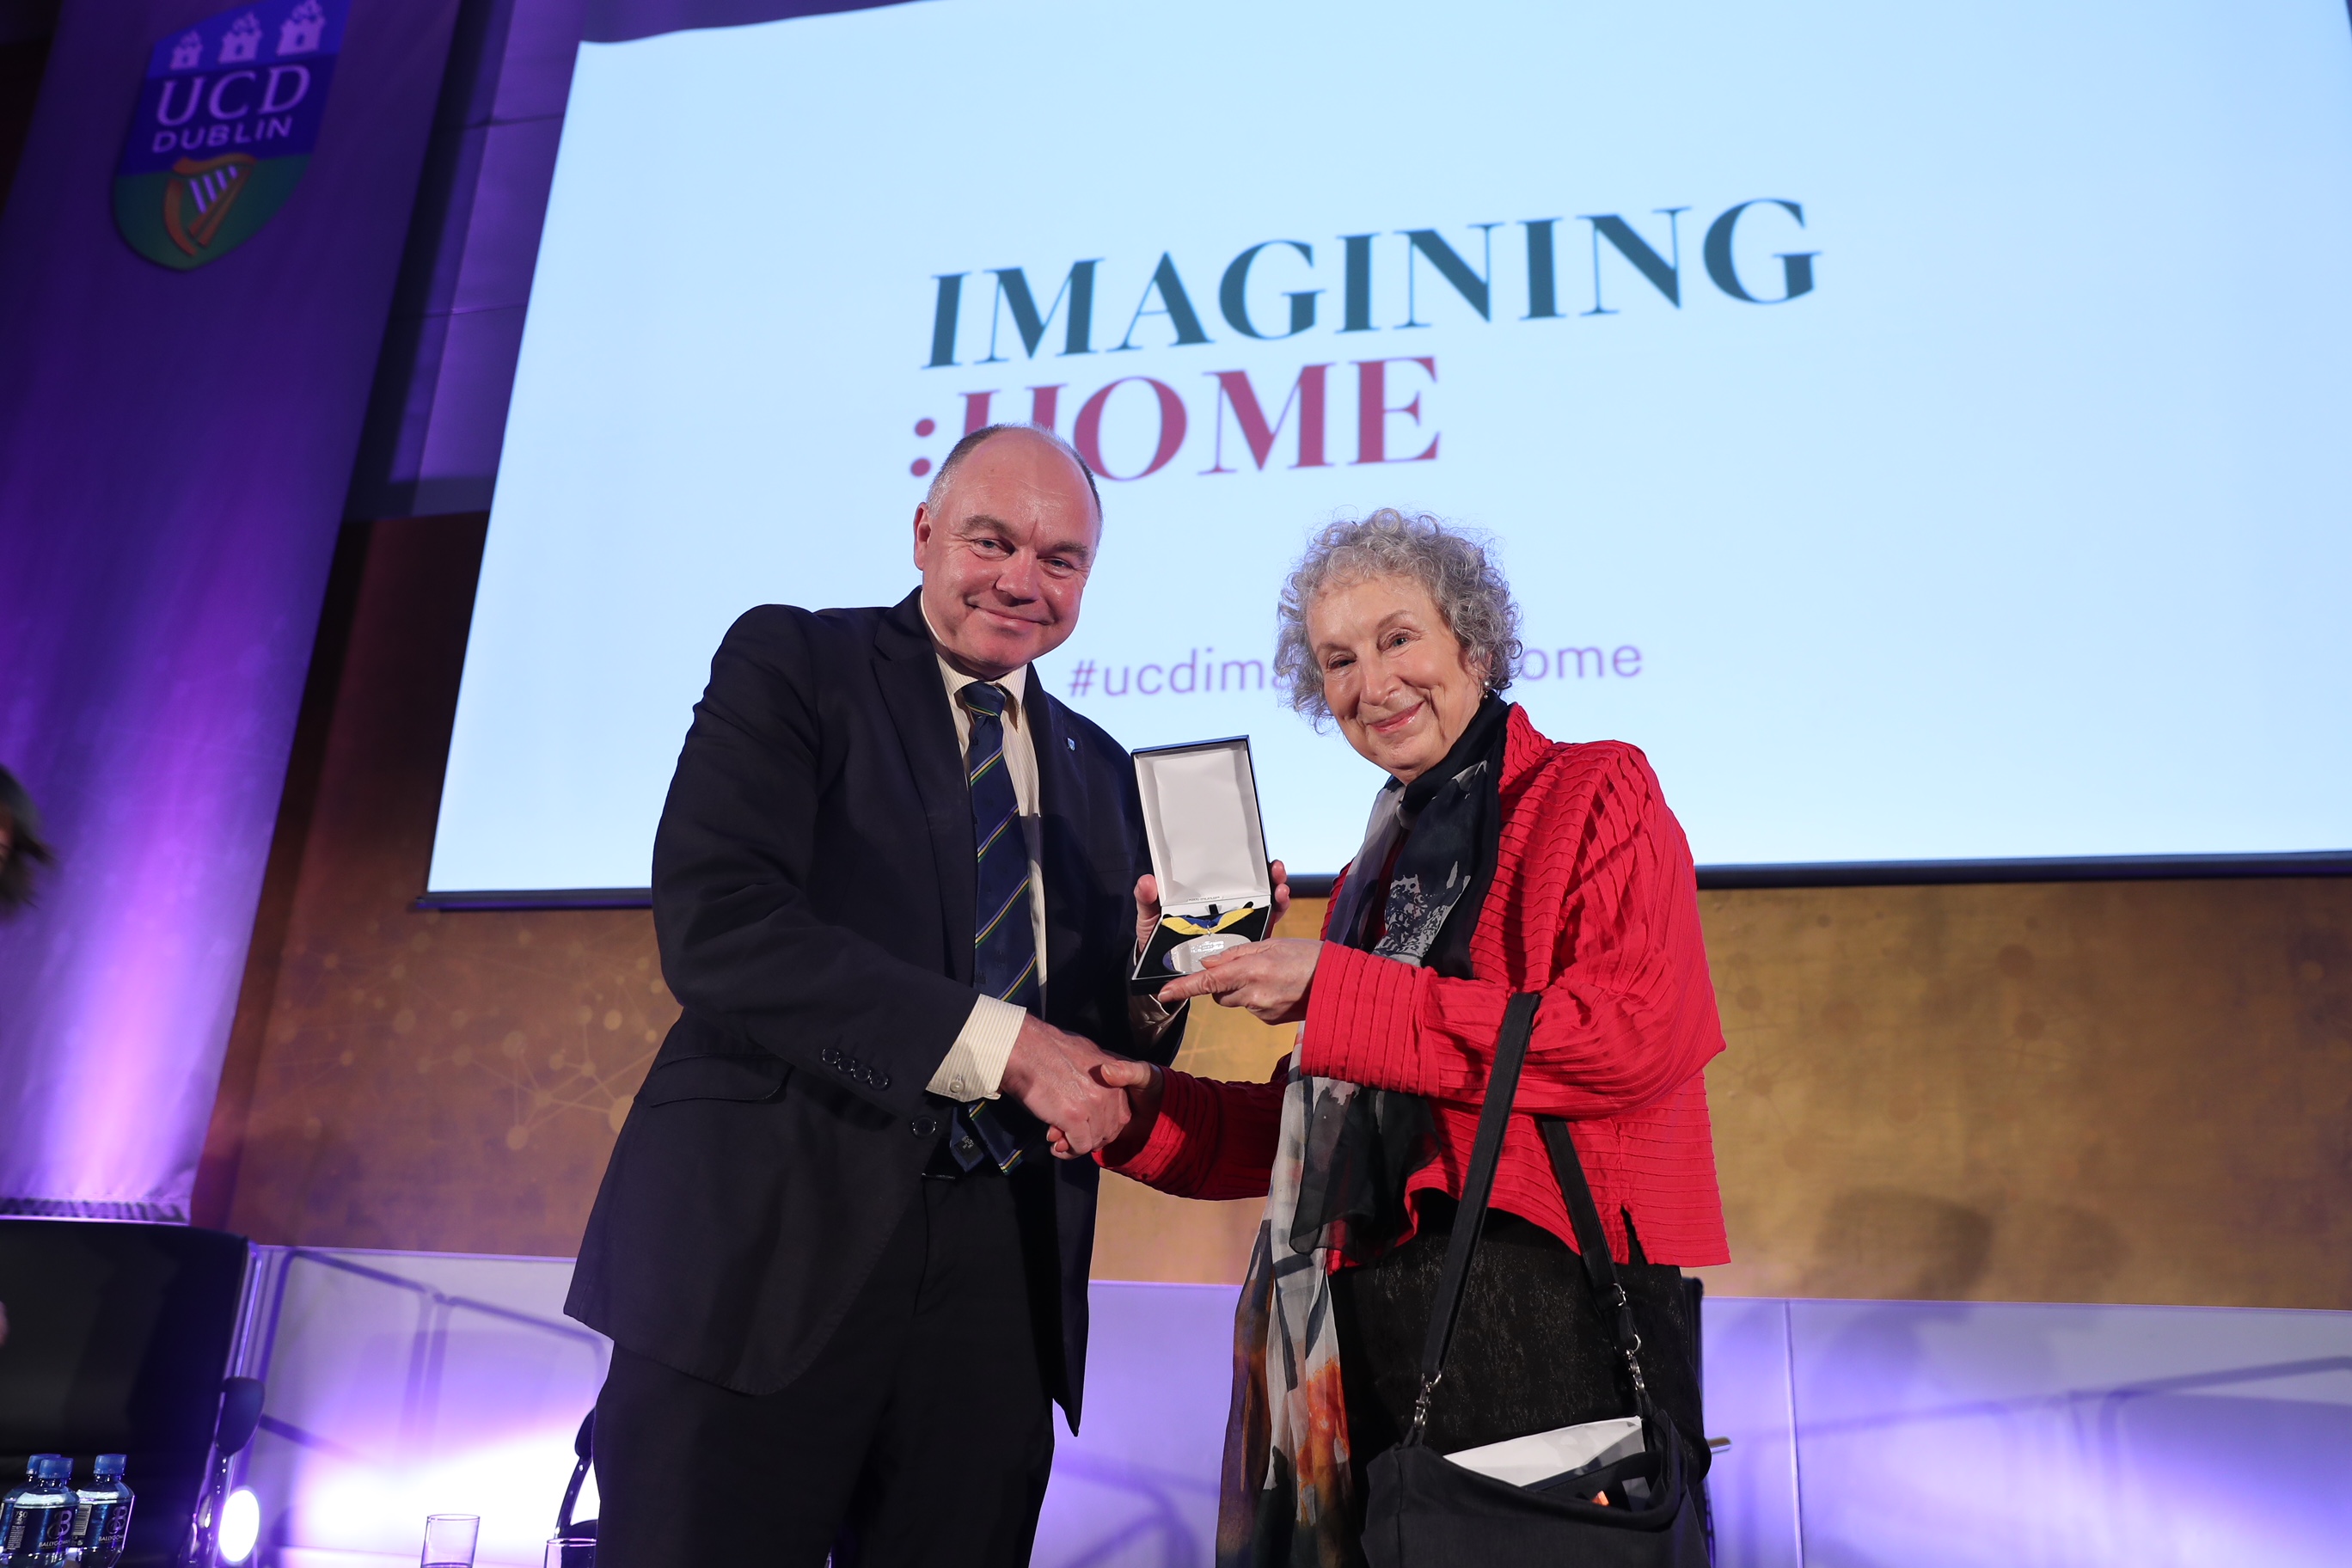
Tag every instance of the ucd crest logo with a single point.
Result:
(226, 119)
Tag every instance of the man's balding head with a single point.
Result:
(973, 440)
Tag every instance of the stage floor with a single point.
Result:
(1921, 1433)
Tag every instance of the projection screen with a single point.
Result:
(1921, 429)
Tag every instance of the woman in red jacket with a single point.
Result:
(1496, 861)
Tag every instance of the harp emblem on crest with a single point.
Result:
(197, 198)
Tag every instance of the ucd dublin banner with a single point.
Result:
(227, 119)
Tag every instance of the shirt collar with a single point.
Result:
(1016, 683)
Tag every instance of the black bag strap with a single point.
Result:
(1478, 1185)
(1592, 1248)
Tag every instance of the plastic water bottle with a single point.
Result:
(102, 1515)
(36, 1519)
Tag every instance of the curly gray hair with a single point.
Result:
(1455, 566)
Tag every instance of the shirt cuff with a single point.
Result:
(974, 1064)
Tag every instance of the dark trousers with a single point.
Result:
(920, 1436)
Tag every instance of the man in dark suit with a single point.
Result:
(842, 1274)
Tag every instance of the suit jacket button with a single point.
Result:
(926, 1127)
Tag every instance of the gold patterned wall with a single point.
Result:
(402, 1077)
(2098, 1091)
(2106, 1092)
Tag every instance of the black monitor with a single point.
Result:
(119, 1337)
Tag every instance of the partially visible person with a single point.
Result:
(21, 845)
(1496, 861)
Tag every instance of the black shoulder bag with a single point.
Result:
(1425, 1511)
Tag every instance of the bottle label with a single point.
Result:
(100, 1522)
(36, 1528)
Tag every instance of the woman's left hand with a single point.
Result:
(1271, 979)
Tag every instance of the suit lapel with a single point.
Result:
(1061, 806)
(908, 673)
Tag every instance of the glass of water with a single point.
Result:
(450, 1540)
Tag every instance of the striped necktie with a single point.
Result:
(1004, 943)
(1004, 946)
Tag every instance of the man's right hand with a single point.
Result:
(1144, 1088)
(1056, 1077)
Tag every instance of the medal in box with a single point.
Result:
(1208, 854)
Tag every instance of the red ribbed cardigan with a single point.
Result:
(1594, 902)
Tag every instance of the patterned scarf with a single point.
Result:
(1339, 1170)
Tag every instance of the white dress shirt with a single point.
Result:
(974, 1065)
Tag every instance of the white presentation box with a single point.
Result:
(1208, 852)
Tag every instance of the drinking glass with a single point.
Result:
(575, 1551)
(450, 1540)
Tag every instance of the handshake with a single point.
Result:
(1086, 1097)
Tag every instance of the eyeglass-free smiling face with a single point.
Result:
(1005, 554)
(1394, 675)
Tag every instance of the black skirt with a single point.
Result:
(1530, 1351)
